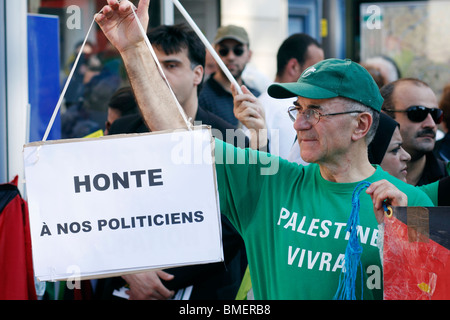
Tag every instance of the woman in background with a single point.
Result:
(386, 150)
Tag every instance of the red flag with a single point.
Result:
(16, 267)
(416, 256)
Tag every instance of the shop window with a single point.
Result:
(99, 74)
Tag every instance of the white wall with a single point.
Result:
(17, 85)
(267, 25)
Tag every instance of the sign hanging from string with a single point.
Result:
(87, 195)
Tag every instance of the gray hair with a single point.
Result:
(352, 105)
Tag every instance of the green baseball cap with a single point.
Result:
(332, 78)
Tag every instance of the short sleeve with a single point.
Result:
(241, 175)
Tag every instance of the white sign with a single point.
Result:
(122, 204)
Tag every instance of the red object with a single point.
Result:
(416, 258)
(16, 265)
(85, 292)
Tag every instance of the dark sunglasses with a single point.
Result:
(419, 113)
(238, 51)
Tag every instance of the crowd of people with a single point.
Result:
(330, 123)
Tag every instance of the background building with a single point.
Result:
(39, 38)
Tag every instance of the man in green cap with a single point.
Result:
(333, 92)
(292, 219)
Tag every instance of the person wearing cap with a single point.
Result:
(233, 46)
(413, 104)
(291, 217)
(297, 52)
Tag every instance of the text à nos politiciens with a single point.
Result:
(146, 221)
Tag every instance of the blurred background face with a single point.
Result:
(396, 158)
(235, 56)
(314, 55)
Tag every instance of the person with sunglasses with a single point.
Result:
(442, 147)
(413, 104)
(386, 151)
(292, 217)
(233, 46)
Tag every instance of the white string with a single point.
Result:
(75, 64)
(207, 45)
(58, 105)
(144, 34)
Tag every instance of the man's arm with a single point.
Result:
(153, 95)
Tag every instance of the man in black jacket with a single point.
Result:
(182, 58)
(413, 104)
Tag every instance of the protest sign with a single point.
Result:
(416, 254)
(121, 204)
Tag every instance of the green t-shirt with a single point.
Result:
(432, 191)
(293, 224)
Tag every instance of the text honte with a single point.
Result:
(126, 180)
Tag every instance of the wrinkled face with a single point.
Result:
(178, 71)
(396, 158)
(328, 140)
(235, 56)
(418, 137)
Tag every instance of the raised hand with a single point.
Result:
(119, 25)
(249, 111)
